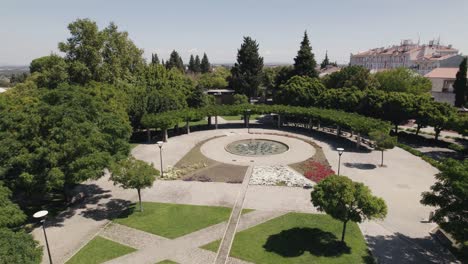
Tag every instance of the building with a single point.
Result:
(442, 84)
(222, 96)
(422, 58)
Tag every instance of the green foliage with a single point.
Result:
(403, 80)
(99, 250)
(175, 61)
(10, 213)
(383, 141)
(18, 247)
(304, 63)
(51, 70)
(154, 59)
(346, 200)
(461, 86)
(247, 71)
(205, 65)
(240, 99)
(351, 76)
(217, 79)
(299, 91)
(325, 61)
(449, 195)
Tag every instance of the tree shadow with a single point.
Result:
(110, 210)
(294, 242)
(361, 166)
(398, 248)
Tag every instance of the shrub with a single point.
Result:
(317, 171)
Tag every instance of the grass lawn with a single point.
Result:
(172, 220)
(99, 250)
(167, 262)
(194, 123)
(239, 117)
(299, 238)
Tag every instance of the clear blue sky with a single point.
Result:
(30, 29)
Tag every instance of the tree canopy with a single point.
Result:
(351, 76)
(403, 80)
(461, 86)
(346, 200)
(18, 247)
(299, 91)
(175, 61)
(304, 63)
(205, 65)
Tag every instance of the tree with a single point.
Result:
(10, 213)
(51, 71)
(350, 76)
(240, 99)
(403, 80)
(191, 65)
(197, 65)
(442, 116)
(304, 63)
(131, 173)
(18, 247)
(346, 200)
(175, 61)
(216, 79)
(247, 71)
(154, 59)
(205, 65)
(383, 141)
(325, 61)
(449, 195)
(299, 91)
(460, 86)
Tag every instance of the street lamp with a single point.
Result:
(160, 144)
(247, 116)
(340, 152)
(42, 215)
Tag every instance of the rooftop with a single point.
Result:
(448, 73)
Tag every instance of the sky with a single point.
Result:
(31, 29)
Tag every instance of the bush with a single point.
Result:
(317, 171)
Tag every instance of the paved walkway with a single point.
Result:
(230, 232)
(400, 184)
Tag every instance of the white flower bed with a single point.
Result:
(278, 175)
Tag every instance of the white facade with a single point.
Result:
(422, 58)
(442, 80)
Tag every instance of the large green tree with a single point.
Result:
(175, 61)
(304, 63)
(246, 75)
(346, 201)
(460, 86)
(449, 196)
(131, 173)
(299, 91)
(50, 71)
(191, 64)
(351, 76)
(10, 213)
(18, 247)
(205, 65)
(383, 141)
(403, 80)
(325, 61)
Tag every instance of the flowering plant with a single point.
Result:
(317, 171)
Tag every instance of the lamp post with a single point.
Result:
(340, 152)
(42, 215)
(160, 144)
(247, 116)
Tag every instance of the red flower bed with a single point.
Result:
(316, 171)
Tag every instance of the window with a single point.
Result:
(448, 86)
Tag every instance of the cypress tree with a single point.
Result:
(154, 59)
(197, 64)
(460, 86)
(325, 61)
(205, 64)
(175, 61)
(304, 63)
(191, 65)
(246, 74)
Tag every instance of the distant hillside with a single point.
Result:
(8, 70)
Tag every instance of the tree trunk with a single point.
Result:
(396, 129)
(358, 140)
(165, 135)
(279, 121)
(381, 165)
(417, 129)
(139, 199)
(209, 121)
(187, 126)
(437, 133)
(344, 230)
(148, 135)
(216, 122)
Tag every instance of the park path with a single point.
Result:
(226, 242)
(185, 249)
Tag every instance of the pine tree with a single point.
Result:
(460, 86)
(246, 75)
(325, 61)
(154, 59)
(205, 64)
(304, 63)
(191, 65)
(175, 61)
(197, 64)
(163, 63)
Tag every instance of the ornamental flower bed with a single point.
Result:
(317, 171)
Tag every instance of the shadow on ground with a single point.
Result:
(110, 210)
(295, 241)
(399, 248)
(361, 166)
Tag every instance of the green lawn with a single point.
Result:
(194, 123)
(172, 220)
(167, 262)
(99, 250)
(299, 238)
